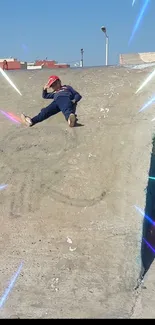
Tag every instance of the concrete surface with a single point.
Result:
(76, 185)
(137, 58)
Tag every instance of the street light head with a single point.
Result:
(103, 29)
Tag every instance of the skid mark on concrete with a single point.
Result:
(77, 202)
(25, 198)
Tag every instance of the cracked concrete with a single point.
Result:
(56, 178)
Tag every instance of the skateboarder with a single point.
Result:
(65, 100)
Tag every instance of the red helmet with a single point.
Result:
(52, 79)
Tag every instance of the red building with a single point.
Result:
(14, 64)
(51, 64)
(45, 63)
(61, 66)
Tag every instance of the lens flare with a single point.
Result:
(133, 2)
(139, 19)
(3, 186)
(11, 117)
(25, 47)
(149, 245)
(144, 215)
(147, 80)
(10, 81)
(4, 297)
(15, 117)
(149, 103)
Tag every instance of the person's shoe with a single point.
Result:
(26, 120)
(71, 120)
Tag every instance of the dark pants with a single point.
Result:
(62, 104)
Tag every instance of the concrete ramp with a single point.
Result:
(68, 212)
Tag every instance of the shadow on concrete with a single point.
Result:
(148, 233)
(77, 125)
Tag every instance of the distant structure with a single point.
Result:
(5, 65)
(50, 64)
(137, 58)
(81, 61)
(14, 64)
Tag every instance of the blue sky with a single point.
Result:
(39, 29)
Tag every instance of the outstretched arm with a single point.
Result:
(76, 96)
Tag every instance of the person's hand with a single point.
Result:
(46, 87)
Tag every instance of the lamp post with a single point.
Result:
(81, 62)
(104, 30)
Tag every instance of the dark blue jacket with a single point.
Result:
(65, 91)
